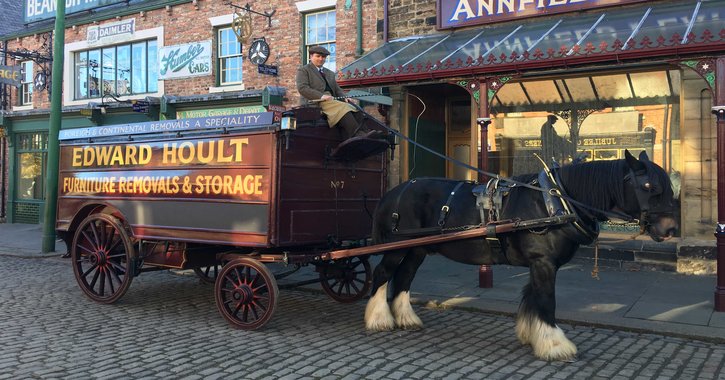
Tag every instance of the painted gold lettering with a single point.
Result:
(462, 7)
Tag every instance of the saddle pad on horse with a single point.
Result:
(358, 148)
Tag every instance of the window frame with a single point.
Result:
(223, 58)
(38, 146)
(108, 83)
(329, 44)
(25, 91)
(71, 48)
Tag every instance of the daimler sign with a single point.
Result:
(37, 10)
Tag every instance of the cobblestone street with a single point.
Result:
(167, 326)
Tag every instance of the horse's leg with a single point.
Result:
(535, 322)
(405, 317)
(377, 311)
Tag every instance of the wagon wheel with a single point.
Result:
(208, 274)
(103, 257)
(346, 280)
(246, 293)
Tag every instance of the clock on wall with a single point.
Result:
(259, 52)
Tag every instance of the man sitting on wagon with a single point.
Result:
(317, 84)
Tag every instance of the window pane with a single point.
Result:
(26, 87)
(30, 183)
(109, 70)
(81, 75)
(123, 70)
(230, 58)
(138, 68)
(94, 73)
(153, 67)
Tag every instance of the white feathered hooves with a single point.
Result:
(548, 342)
(377, 312)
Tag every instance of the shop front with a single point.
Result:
(582, 81)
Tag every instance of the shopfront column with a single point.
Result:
(719, 111)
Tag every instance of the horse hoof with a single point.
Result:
(380, 326)
(551, 344)
(377, 312)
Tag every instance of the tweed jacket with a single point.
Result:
(311, 85)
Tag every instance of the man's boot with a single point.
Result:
(350, 126)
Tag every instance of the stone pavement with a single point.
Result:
(644, 301)
(167, 327)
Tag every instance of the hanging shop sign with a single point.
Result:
(189, 114)
(217, 122)
(11, 75)
(111, 33)
(182, 61)
(37, 10)
(459, 13)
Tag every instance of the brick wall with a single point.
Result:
(699, 158)
(410, 18)
(187, 23)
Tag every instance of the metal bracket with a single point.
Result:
(249, 9)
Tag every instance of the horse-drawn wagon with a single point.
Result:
(225, 195)
(237, 191)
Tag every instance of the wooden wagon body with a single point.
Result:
(202, 193)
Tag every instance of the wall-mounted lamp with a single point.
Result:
(104, 106)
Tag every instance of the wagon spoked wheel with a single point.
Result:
(208, 274)
(246, 293)
(346, 280)
(102, 255)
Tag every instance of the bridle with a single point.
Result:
(643, 192)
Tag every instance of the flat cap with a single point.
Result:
(319, 50)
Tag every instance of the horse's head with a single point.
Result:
(649, 196)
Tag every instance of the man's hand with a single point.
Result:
(326, 97)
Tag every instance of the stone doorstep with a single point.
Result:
(640, 255)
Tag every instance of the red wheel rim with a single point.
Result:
(246, 293)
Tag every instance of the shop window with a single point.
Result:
(31, 160)
(26, 87)
(590, 117)
(119, 70)
(230, 59)
(320, 31)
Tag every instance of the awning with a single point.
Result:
(655, 29)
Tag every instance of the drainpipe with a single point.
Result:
(51, 186)
(3, 160)
(359, 50)
(386, 5)
(719, 111)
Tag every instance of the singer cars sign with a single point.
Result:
(37, 10)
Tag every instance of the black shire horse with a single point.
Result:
(638, 188)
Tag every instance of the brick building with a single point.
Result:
(637, 75)
(117, 52)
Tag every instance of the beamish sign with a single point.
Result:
(12, 75)
(188, 60)
(37, 10)
(460, 13)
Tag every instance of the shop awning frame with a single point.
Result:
(669, 31)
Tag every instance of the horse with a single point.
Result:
(637, 188)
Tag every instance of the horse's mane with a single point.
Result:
(597, 183)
